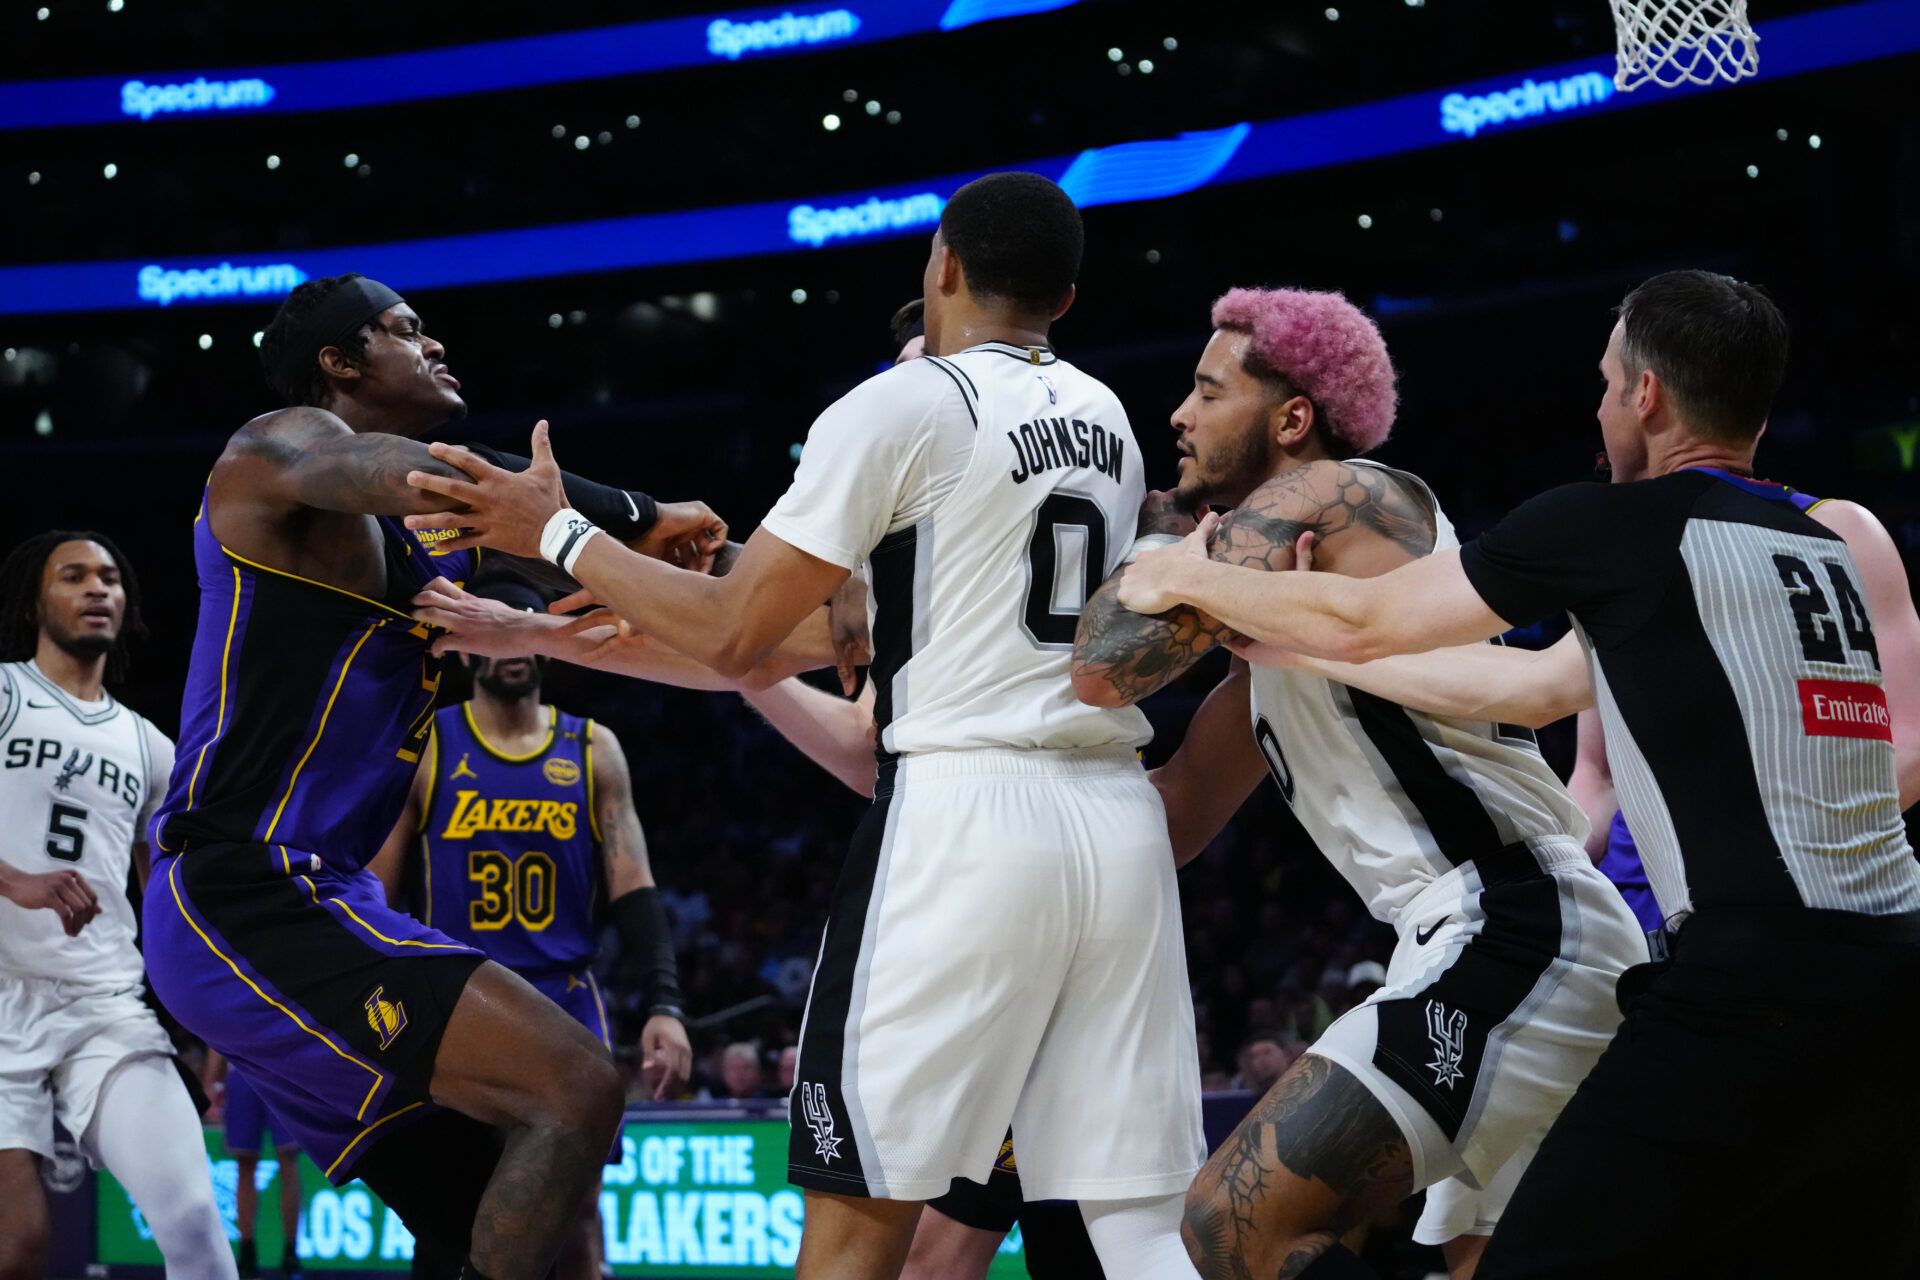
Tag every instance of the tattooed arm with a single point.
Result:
(1365, 523)
(307, 457)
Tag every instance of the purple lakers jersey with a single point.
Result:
(508, 852)
(307, 707)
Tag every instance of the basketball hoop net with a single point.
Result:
(1674, 42)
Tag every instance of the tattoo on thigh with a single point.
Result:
(1330, 1126)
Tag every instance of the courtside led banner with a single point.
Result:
(687, 1198)
(632, 49)
(1460, 115)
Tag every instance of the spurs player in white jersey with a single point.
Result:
(79, 776)
(1738, 667)
(1005, 944)
(1499, 997)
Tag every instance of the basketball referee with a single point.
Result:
(1763, 1077)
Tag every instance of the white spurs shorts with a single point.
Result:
(59, 1042)
(1498, 1001)
(1004, 948)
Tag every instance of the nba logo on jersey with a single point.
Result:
(813, 1100)
(388, 1018)
(1449, 1036)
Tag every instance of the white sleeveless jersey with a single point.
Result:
(1395, 798)
(990, 492)
(78, 782)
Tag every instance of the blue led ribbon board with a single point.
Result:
(631, 49)
(1454, 115)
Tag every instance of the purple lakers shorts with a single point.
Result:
(329, 1000)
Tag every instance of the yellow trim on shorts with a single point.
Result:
(364, 1132)
(378, 1079)
(321, 731)
(314, 891)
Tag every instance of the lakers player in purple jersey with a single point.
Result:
(308, 703)
(520, 817)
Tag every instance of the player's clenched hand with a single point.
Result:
(1153, 583)
(479, 626)
(66, 893)
(504, 510)
(666, 1055)
(686, 534)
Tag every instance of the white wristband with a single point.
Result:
(565, 537)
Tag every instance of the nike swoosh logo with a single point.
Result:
(44, 706)
(633, 508)
(1420, 936)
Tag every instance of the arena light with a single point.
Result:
(633, 48)
(1153, 169)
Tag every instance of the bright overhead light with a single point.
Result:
(582, 142)
(555, 320)
(273, 162)
(33, 179)
(1780, 134)
(1169, 44)
(873, 106)
(799, 296)
(558, 131)
(1114, 55)
(110, 172)
(351, 160)
(1146, 66)
(43, 14)
(1753, 171)
(206, 342)
(603, 138)
(1333, 15)
(851, 95)
(115, 6)
(1813, 140)
(633, 122)
(829, 122)
(259, 336)
(43, 425)
(1365, 220)
(893, 117)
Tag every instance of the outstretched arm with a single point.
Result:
(730, 624)
(1533, 687)
(835, 733)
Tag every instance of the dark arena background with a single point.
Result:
(679, 232)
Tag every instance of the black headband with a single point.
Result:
(351, 304)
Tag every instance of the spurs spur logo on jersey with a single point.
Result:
(75, 765)
(813, 1103)
(1449, 1035)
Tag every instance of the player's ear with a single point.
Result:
(1649, 395)
(947, 273)
(1073, 291)
(334, 363)
(1291, 421)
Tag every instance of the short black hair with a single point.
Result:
(1718, 344)
(310, 388)
(20, 576)
(1018, 238)
(909, 322)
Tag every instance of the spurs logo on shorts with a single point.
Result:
(1449, 1036)
(813, 1098)
(388, 1018)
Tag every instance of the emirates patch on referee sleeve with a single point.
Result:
(1845, 709)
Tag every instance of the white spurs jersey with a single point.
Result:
(1393, 797)
(78, 781)
(990, 492)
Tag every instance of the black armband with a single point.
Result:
(625, 513)
(641, 920)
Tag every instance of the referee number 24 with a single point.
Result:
(1826, 632)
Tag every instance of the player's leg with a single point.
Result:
(1314, 1158)
(246, 1208)
(959, 1233)
(289, 1183)
(942, 960)
(511, 1059)
(145, 1131)
(947, 1249)
(580, 1251)
(24, 1225)
(1054, 1233)
(1110, 1115)
(855, 1237)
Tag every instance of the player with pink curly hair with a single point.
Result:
(1453, 830)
